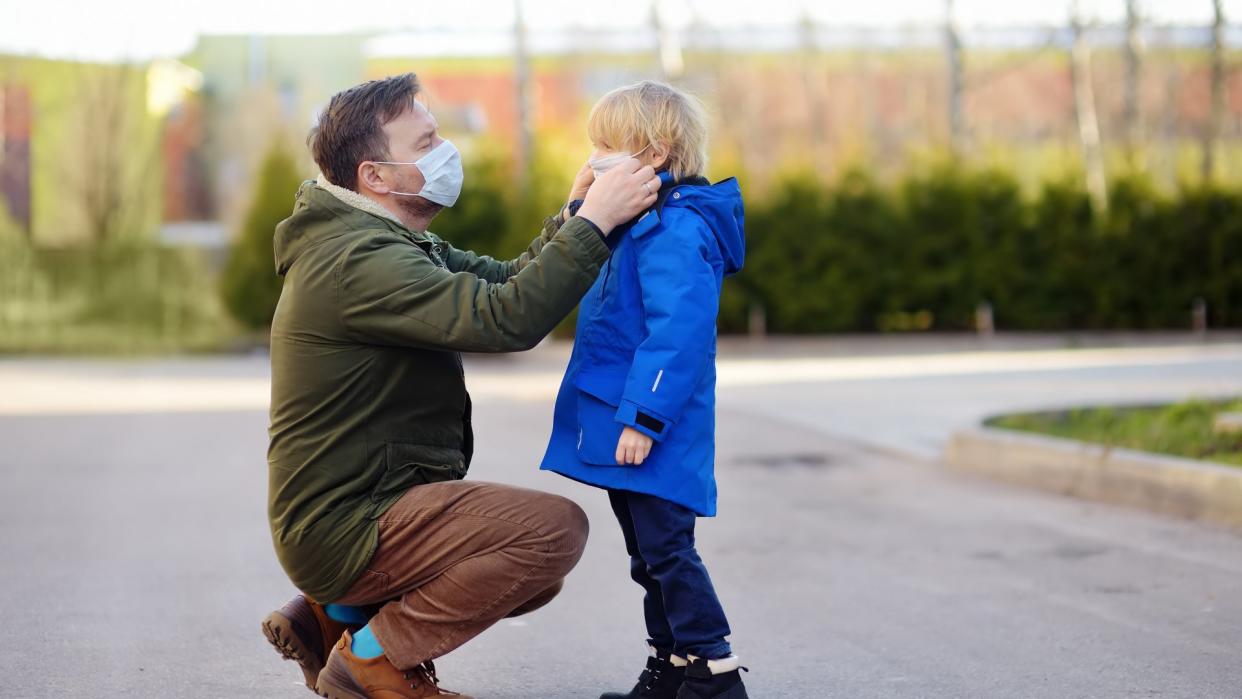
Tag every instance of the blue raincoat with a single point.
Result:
(645, 349)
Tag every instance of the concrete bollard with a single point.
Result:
(757, 323)
(1199, 316)
(984, 324)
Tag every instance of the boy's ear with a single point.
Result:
(659, 154)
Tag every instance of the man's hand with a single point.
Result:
(633, 447)
(582, 183)
(620, 194)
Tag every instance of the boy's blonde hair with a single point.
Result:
(648, 112)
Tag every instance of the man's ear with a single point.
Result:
(659, 154)
(369, 177)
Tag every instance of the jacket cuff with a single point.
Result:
(588, 233)
(633, 415)
(591, 223)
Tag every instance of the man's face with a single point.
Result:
(410, 136)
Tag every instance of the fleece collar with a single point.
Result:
(356, 200)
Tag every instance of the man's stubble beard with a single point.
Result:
(414, 207)
(418, 208)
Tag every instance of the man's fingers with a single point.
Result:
(630, 166)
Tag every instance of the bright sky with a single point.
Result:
(138, 29)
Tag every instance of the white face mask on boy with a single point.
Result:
(442, 174)
(605, 163)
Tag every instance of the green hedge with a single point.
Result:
(127, 296)
(924, 252)
(858, 255)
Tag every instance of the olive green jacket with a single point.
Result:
(368, 397)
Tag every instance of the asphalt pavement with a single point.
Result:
(137, 561)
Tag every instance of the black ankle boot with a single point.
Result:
(660, 680)
(700, 683)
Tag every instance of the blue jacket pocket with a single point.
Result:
(598, 431)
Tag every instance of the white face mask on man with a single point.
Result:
(605, 163)
(442, 174)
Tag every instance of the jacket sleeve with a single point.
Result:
(680, 293)
(390, 293)
(491, 269)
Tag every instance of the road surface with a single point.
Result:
(137, 561)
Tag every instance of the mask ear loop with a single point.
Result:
(394, 162)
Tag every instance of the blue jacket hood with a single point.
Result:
(720, 205)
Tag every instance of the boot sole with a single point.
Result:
(280, 633)
(737, 691)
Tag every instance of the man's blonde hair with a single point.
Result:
(648, 113)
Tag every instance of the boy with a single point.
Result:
(636, 410)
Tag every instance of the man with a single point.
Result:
(400, 561)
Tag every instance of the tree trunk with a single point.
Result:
(1216, 120)
(811, 86)
(1084, 112)
(1134, 69)
(953, 55)
(521, 78)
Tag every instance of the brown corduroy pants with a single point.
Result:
(456, 557)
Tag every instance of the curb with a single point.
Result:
(1169, 485)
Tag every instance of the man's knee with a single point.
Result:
(568, 527)
(538, 600)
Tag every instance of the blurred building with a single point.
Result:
(15, 152)
(809, 96)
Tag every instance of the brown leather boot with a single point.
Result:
(302, 631)
(346, 676)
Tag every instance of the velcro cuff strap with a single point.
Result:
(645, 420)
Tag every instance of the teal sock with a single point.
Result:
(365, 644)
(345, 613)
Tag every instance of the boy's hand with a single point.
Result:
(633, 447)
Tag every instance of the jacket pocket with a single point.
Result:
(598, 431)
(408, 464)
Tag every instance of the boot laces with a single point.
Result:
(426, 673)
(651, 676)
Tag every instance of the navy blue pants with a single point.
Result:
(682, 611)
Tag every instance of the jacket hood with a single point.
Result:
(323, 210)
(720, 205)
